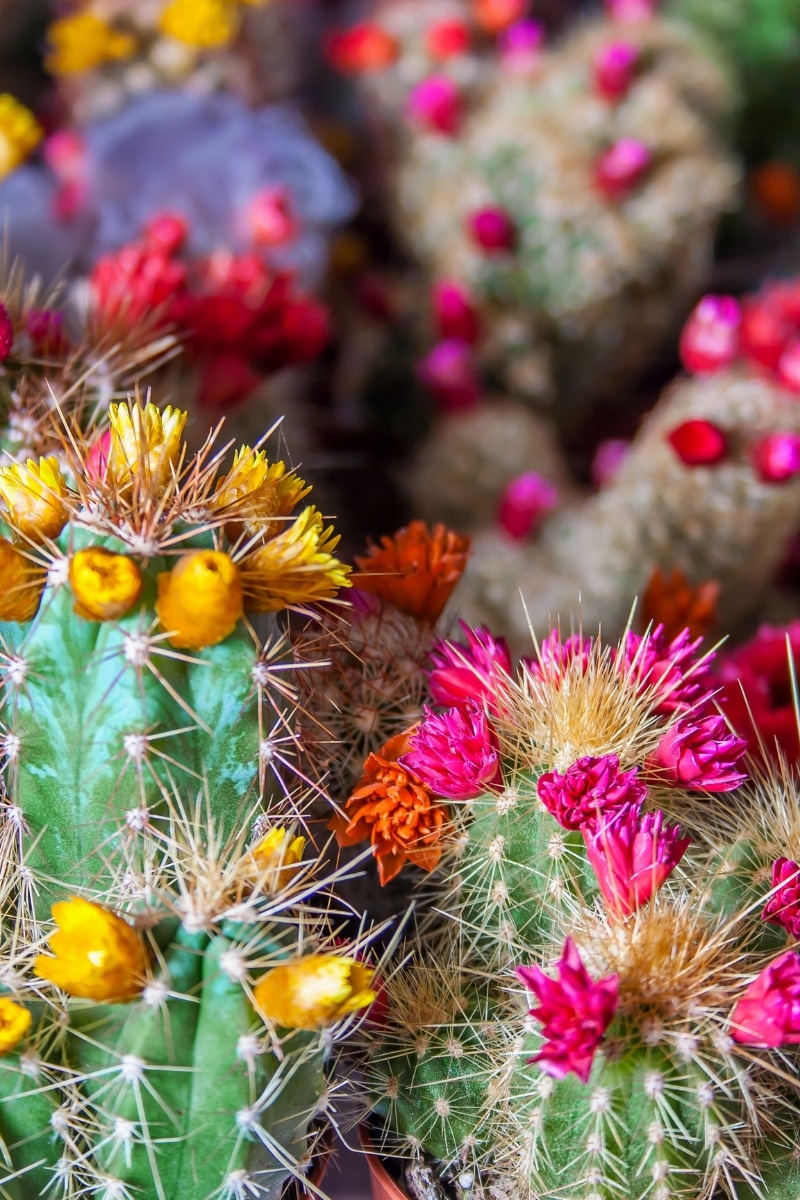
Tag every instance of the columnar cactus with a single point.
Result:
(572, 192)
(166, 1033)
(658, 1058)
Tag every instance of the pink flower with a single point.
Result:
(698, 443)
(622, 168)
(589, 787)
(783, 906)
(608, 458)
(631, 11)
(524, 503)
(465, 674)
(456, 315)
(270, 218)
(789, 366)
(492, 229)
(436, 104)
(614, 68)
(449, 371)
(454, 753)
(673, 669)
(555, 656)
(521, 46)
(710, 338)
(574, 1011)
(6, 333)
(756, 693)
(768, 1013)
(701, 753)
(632, 854)
(776, 457)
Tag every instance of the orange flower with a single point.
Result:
(416, 570)
(392, 810)
(677, 605)
(775, 187)
(494, 16)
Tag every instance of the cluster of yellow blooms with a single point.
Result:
(276, 561)
(20, 134)
(86, 40)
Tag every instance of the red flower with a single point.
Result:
(575, 1013)
(698, 443)
(589, 787)
(756, 694)
(416, 570)
(710, 338)
(768, 1013)
(363, 48)
(6, 333)
(699, 752)
(783, 906)
(632, 855)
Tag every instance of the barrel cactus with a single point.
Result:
(171, 986)
(592, 863)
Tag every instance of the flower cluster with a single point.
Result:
(240, 320)
(756, 691)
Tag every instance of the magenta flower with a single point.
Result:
(524, 503)
(701, 753)
(632, 854)
(673, 668)
(456, 314)
(710, 338)
(783, 906)
(450, 374)
(589, 787)
(574, 1011)
(436, 104)
(614, 68)
(463, 674)
(768, 1013)
(555, 656)
(454, 753)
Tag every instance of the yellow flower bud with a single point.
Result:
(275, 856)
(256, 494)
(34, 495)
(294, 568)
(313, 992)
(20, 133)
(21, 584)
(15, 1021)
(98, 956)
(145, 443)
(200, 599)
(83, 42)
(105, 585)
(205, 24)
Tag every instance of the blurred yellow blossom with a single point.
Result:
(15, 1021)
(276, 854)
(205, 24)
(20, 133)
(84, 41)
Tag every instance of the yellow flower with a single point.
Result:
(205, 24)
(313, 992)
(145, 442)
(200, 599)
(20, 133)
(105, 585)
(256, 494)
(276, 854)
(35, 495)
(15, 1021)
(21, 584)
(83, 42)
(97, 955)
(296, 567)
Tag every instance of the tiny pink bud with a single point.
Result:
(455, 311)
(271, 219)
(449, 372)
(65, 154)
(765, 332)
(6, 333)
(789, 366)
(710, 338)
(524, 502)
(608, 458)
(614, 69)
(166, 232)
(632, 12)
(97, 458)
(698, 443)
(776, 457)
(521, 46)
(448, 39)
(492, 229)
(768, 1014)
(575, 1013)
(621, 168)
(436, 104)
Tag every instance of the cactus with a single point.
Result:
(584, 215)
(708, 486)
(659, 1059)
(166, 1033)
